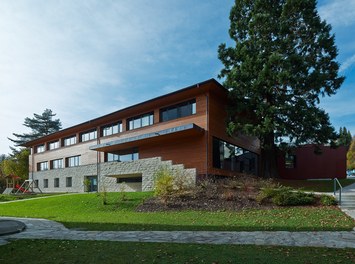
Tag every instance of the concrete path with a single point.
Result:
(46, 229)
(348, 191)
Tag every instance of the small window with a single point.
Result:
(73, 161)
(56, 182)
(140, 121)
(53, 145)
(69, 141)
(57, 164)
(68, 181)
(90, 135)
(129, 179)
(123, 155)
(45, 183)
(36, 184)
(40, 148)
(42, 166)
(176, 111)
(111, 129)
(290, 161)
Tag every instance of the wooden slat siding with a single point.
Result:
(188, 151)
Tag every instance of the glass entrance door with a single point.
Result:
(92, 186)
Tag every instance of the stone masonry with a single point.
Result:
(108, 173)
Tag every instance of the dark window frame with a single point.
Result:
(137, 121)
(180, 109)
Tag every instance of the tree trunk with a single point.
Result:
(268, 158)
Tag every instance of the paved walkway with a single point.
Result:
(46, 229)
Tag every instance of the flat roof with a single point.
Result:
(184, 129)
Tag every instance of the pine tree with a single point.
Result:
(344, 137)
(351, 156)
(282, 62)
(41, 125)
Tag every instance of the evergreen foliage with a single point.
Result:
(40, 125)
(351, 156)
(283, 61)
(344, 138)
(16, 164)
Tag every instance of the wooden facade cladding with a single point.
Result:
(194, 150)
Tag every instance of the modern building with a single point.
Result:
(183, 131)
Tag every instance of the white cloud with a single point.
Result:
(86, 58)
(339, 12)
(347, 63)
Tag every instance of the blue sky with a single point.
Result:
(87, 58)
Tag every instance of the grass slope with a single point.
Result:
(54, 251)
(87, 211)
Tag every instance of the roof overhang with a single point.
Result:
(153, 137)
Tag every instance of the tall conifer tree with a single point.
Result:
(283, 61)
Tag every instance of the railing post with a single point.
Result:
(335, 186)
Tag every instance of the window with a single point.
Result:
(42, 166)
(123, 155)
(111, 129)
(230, 157)
(68, 181)
(140, 121)
(290, 161)
(69, 141)
(129, 179)
(40, 148)
(90, 135)
(56, 182)
(73, 161)
(176, 111)
(53, 145)
(57, 164)
(36, 184)
(45, 183)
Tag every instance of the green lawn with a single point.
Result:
(86, 211)
(315, 185)
(54, 251)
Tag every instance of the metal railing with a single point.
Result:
(336, 181)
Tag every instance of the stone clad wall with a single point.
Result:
(108, 172)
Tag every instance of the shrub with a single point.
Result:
(328, 200)
(293, 198)
(164, 184)
(285, 196)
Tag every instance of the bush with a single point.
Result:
(285, 196)
(328, 200)
(293, 198)
(164, 184)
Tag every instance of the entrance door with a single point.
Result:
(92, 183)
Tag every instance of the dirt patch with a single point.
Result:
(232, 195)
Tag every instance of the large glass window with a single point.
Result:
(111, 129)
(42, 166)
(90, 135)
(177, 111)
(53, 145)
(230, 157)
(123, 155)
(57, 164)
(69, 141)
(73, 161)
(140, 121)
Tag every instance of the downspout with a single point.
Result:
(98, 163)
(207, 133)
